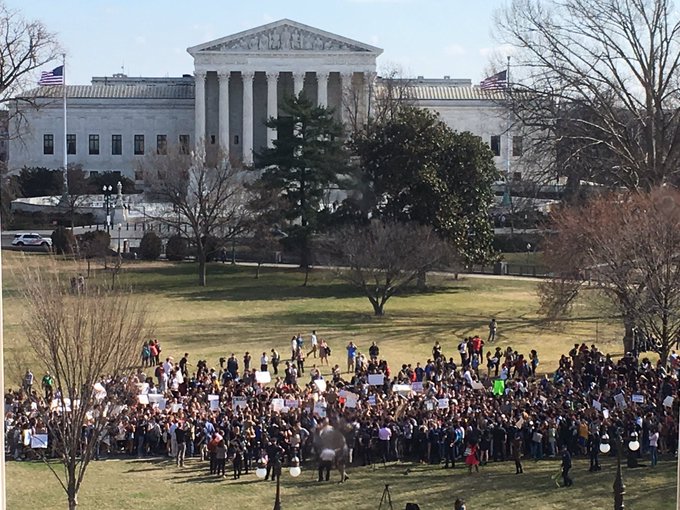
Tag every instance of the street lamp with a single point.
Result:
(294, 471)
(605, 447)
(107, 200)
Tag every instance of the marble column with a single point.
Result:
(272, 105)
(298, 83)
(199, 110)
(223, 112)
(322, 88)
(347, 106)
(247, 116)
(368, 78)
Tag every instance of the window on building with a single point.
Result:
(212, 139)
(496, 145)
(139, 145)
(70, 144)
(48, 144)
(161, 144)
(93, 144)
(116, 145)
(184, 144)
(139, 175)
(235, 139)
(516, 176)
(516, 146)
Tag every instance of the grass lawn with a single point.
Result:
(236, 313)
(143, 484)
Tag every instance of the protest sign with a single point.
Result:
(476, 385)
(143, 399)
(277, 405)
(443, 403)
(321, 384)
(372, 400)
(417, 387)
(597, 405)
(401, 388)
(214, 401)
(376, 379)
(291, 403)
(176, 407)
(38, 441)
(605, 413)
(429, 405)
(320, 409)
(239, 402)
(668, 401)
(498, 387)
(620, 400)
(638, 399)
(351, 400)
(263, 377)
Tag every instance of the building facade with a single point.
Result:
(238, 83)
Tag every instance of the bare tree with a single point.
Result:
(25, 46)
(625, 248)
(201, 201)
(87, 339)
(597, 81)
(384, 258)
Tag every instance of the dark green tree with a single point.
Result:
(40, 182)
(176, 248)
(306, 161)
(413, 167)
(98, 181)
(63, 241)
(150, 246)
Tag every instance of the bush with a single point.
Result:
(63, 241)
(95, 243)
(176, 249)
(150, 246)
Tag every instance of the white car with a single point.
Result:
(31, 239)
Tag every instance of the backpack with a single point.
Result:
(328, 350)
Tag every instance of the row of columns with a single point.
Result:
(272, 104)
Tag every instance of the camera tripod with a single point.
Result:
(386, 498)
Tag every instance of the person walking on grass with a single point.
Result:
(493, 326)
(471, 458)
(566, 466)
(314, 344)
(351, 355)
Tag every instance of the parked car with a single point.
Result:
(31, 239)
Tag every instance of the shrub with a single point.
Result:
(150, 246)
(176, 249)
(63, 241)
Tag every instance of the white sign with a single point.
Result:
(292, 403)
(321, 384)
(263, 377)
(476, 385)
(277, 405)
(372, 400)
(239, 402)
(429, 405)
(417, 387)
(351, 400)
(214, 402)
(38, 441)
(668, 401)
(638, 399)
(143, 399)
(620, 400)
(596, 405)
(143, 388)
(155, 398)
(177, 407)
(376, 379)
(443, 403)
(605, 413)
(320, 409)
(401, 388)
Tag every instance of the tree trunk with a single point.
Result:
(88, 267)
(257, 271)
(71, 487)
(378, 308)
(628, 337)
(306, 275)
(201, 270)
(421, 282)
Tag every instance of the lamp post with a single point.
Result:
(120, 227)
(261, 472)
(605, 447)
(107, 200)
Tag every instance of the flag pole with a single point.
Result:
(65, 128)
(3, 482)
(507, 151)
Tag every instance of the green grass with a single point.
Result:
(144, 484)
(236, 313)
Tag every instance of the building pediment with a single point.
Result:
(284, 36)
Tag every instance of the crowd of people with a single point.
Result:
(472, 402)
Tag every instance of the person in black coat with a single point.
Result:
(566, 466)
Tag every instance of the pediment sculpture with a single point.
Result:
(286, 38)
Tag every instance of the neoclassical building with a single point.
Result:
(239, 81)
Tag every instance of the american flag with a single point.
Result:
(498, 81)
(53, 77)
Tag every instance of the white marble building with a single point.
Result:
(238, 82)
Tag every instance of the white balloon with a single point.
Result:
(261, 472)
(605, 447)
(295, 471)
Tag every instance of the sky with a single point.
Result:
(430, 38)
